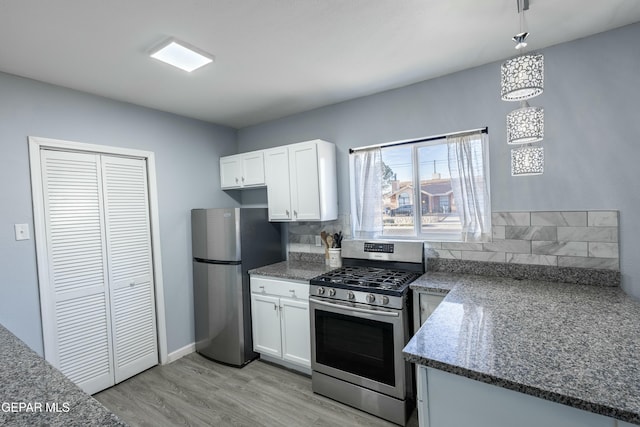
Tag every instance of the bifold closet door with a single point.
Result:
(77, 314)
(100, 308)
(130, 265)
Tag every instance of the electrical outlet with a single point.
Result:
(318, 241)
(22, 231)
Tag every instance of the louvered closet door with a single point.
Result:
(78, 316)
(130, 265)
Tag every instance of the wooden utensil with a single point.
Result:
(323, 236)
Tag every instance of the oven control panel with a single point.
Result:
(396, 302)
(385, 248)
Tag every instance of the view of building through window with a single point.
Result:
(416, 193)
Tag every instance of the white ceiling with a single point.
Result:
(276, 57)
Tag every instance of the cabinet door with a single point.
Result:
(265, 324)
(276, 164)
(230, 172)
(296, 344)
(252, 169)
(305, 189)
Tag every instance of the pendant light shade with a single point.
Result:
(525, 125)
(527, 161)
(522, 77)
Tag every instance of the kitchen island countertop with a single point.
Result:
(32, 392)
(571, 344)
(292, 270)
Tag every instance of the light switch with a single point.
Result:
(22, 231)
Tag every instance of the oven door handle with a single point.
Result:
(357, 309)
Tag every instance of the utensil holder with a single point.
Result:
(335, 257)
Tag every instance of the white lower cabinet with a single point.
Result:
(424, 303)
(453, 400)
(280, 321)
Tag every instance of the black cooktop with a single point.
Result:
(369, 279)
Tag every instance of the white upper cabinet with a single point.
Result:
(301, 182)
(242, 170)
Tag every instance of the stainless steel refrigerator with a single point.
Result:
(226, 244)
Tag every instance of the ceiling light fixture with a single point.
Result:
(522, 78)
(525, 125)
(527, 160)
(181, 55)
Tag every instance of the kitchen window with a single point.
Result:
(433, 189)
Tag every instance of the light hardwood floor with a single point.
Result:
(195, 391)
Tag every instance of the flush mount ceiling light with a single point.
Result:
(525, 125)
(528, 160)
(181, 55)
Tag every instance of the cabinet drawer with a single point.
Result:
(280, 287)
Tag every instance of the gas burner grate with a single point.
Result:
(370, 278)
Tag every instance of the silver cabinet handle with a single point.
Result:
(262, 287)
(243, 179)
(275, 306)
(132, 284)
(295, 213)
(287, 212)
(237, 180)
(293, 291)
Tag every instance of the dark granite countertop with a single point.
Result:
(34, 393)
(292, 270)
(568, 343)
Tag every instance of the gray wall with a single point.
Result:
(186, 152)
(592, 131)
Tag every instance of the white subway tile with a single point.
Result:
(588, 234)
(602, 218)
(483, 256)
(584, 262)
(559, 248)
(517, 246)
(531, 233)
(565, 218)
(462, 246)
(498, 232)
(446, 254)
(532, 259)
(511, 218)
(603, 250)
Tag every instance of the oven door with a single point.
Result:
(359, 344)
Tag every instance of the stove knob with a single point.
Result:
(371, 298)
(320, 291)
(332, 292)
(351, 295)
(385, 300)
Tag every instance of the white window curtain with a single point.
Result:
(469, 166)
(366, 193)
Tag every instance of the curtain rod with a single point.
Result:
(424, 139)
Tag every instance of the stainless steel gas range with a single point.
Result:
(360, 321)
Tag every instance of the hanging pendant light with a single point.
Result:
(525, 125)
(527, 160)
(522, 77)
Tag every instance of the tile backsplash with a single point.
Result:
(584, 239)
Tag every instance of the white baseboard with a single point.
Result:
(181, 352)
(292, 366)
